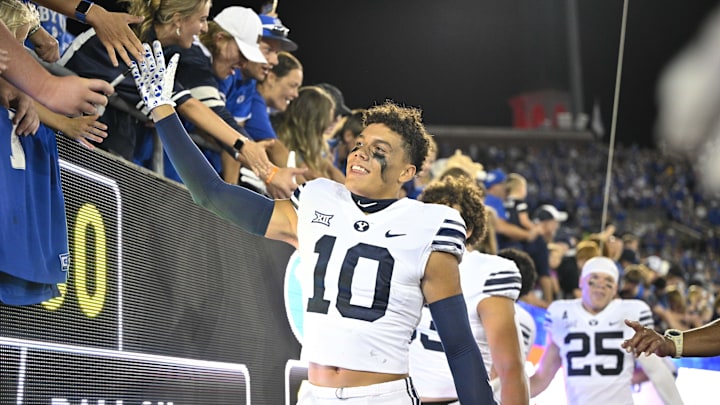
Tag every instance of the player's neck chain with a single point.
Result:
(369, 205)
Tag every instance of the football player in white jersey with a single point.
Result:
(372, 260)
(584, 336)
(491, 285)
(525, 322)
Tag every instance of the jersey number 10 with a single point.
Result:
(317, 303)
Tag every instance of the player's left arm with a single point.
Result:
(442, 291)
(548, 366)
(661, 377)
(498, 319)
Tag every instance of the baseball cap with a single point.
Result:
(273, 28)
(658, 265)
(600, 264)
(548, 212)
(494, 177)
(245, 26)
(340, 107)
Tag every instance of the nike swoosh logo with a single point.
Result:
(392, 235)
(613, 323)
(361, 205)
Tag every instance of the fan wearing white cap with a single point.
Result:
(242, 96)
(230, 41)
(584, 337)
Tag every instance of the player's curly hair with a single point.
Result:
(463, 195)
(406, 122)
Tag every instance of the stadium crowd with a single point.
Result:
(660, 221)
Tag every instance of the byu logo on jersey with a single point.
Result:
(321, 218)
(361, 226)
(65, 261)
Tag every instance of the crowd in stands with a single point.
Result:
(661, 227)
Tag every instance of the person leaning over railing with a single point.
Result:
(175, 23)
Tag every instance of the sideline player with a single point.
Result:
(523, 319)
(584, 336)
(491, 285)
(370, 262)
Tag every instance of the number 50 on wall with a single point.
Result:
(88, 219)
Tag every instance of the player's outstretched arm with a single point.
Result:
(498, 320)
(253, 212)
(549, 365)
(441, 288)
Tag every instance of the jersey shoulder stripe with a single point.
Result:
(450, 238)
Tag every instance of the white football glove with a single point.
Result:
(153, 80)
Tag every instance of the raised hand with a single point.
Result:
(647, 341)
(84, 129)
(46, 46)
(113, 31)
(153, 79)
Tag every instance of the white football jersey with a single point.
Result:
(481, 276)
(361, 274)
(527, 329)
(597, 370)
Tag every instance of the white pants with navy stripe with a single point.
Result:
(399, 392)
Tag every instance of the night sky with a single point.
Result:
(462, 60)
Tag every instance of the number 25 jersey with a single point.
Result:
(597, 369)
(361, 274)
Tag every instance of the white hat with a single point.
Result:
(600, 264)
(549, 212)
(658, 265)
(245, 26)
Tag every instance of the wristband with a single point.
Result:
(238, 144)
(676, 337)
(82, 9)
(33, 30)
(272, 174)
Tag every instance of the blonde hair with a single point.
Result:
(161, 12)
(514, 181)
(208, 38)
(303, 123)
(16, 14)
(586, 250)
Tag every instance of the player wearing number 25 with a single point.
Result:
(371, 259)
(584, 336)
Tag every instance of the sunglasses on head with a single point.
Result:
(277, 30)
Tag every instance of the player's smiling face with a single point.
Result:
(377, 166)
(598, 289)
